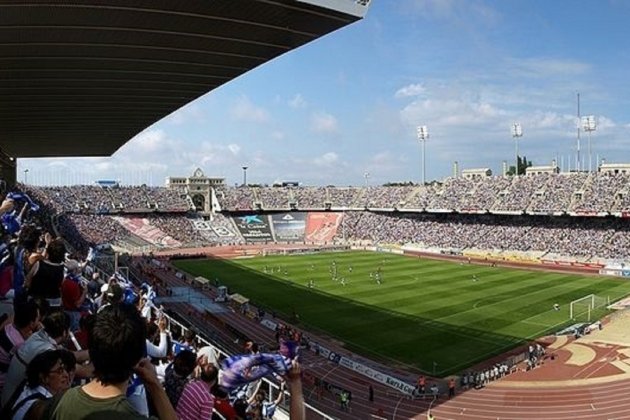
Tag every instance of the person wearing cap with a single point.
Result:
(73, 293)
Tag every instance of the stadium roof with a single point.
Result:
(81, 78)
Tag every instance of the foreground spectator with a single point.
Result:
(117, 348)
(46, 375)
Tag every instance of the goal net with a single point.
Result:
(583, 309)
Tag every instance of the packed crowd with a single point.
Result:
(580, 237)
(75, 343)
(178, 227)
(541, 193)
(85, 230)
(238, 198)
(103, 200)
(311, 198)
(600, 192)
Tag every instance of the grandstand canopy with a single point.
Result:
(81, 78)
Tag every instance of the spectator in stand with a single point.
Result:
(25, 257)
(44, 279)
(86, 323)
(54, 333)
(188, 344)
(259, 406)
(197, 401)
(161, 349)
(117, 347)
(222, 404)
(73, 294)
(46, 376)
(178, 374)
(26, 321)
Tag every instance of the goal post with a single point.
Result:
(582, 308)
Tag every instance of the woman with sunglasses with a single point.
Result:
(46, 376)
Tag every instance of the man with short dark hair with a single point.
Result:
(117, 348)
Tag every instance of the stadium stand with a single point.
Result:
(85, 213)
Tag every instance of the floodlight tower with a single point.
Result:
(244, 176)
(423, 134)
(517, 132)
(589, 125)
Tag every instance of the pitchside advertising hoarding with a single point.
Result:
(289, 227)
(254, 228)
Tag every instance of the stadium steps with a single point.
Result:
(133, 242)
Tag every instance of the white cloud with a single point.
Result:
(186, 114)
(297, 101)
(149, 141)
(234, 148)
(324, 123)
(451, 112)
(245, 110)
(326, 159)
(415, 89)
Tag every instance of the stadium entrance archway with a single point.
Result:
(199, 201)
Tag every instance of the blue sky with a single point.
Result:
(350, 102)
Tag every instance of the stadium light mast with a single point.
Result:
(26, 176)
(367, 179)
(578, 166)
(244, 176)
(589, 125)
(423, 134)
(517, 132)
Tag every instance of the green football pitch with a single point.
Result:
(426, 313)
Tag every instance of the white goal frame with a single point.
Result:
(590, 301)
